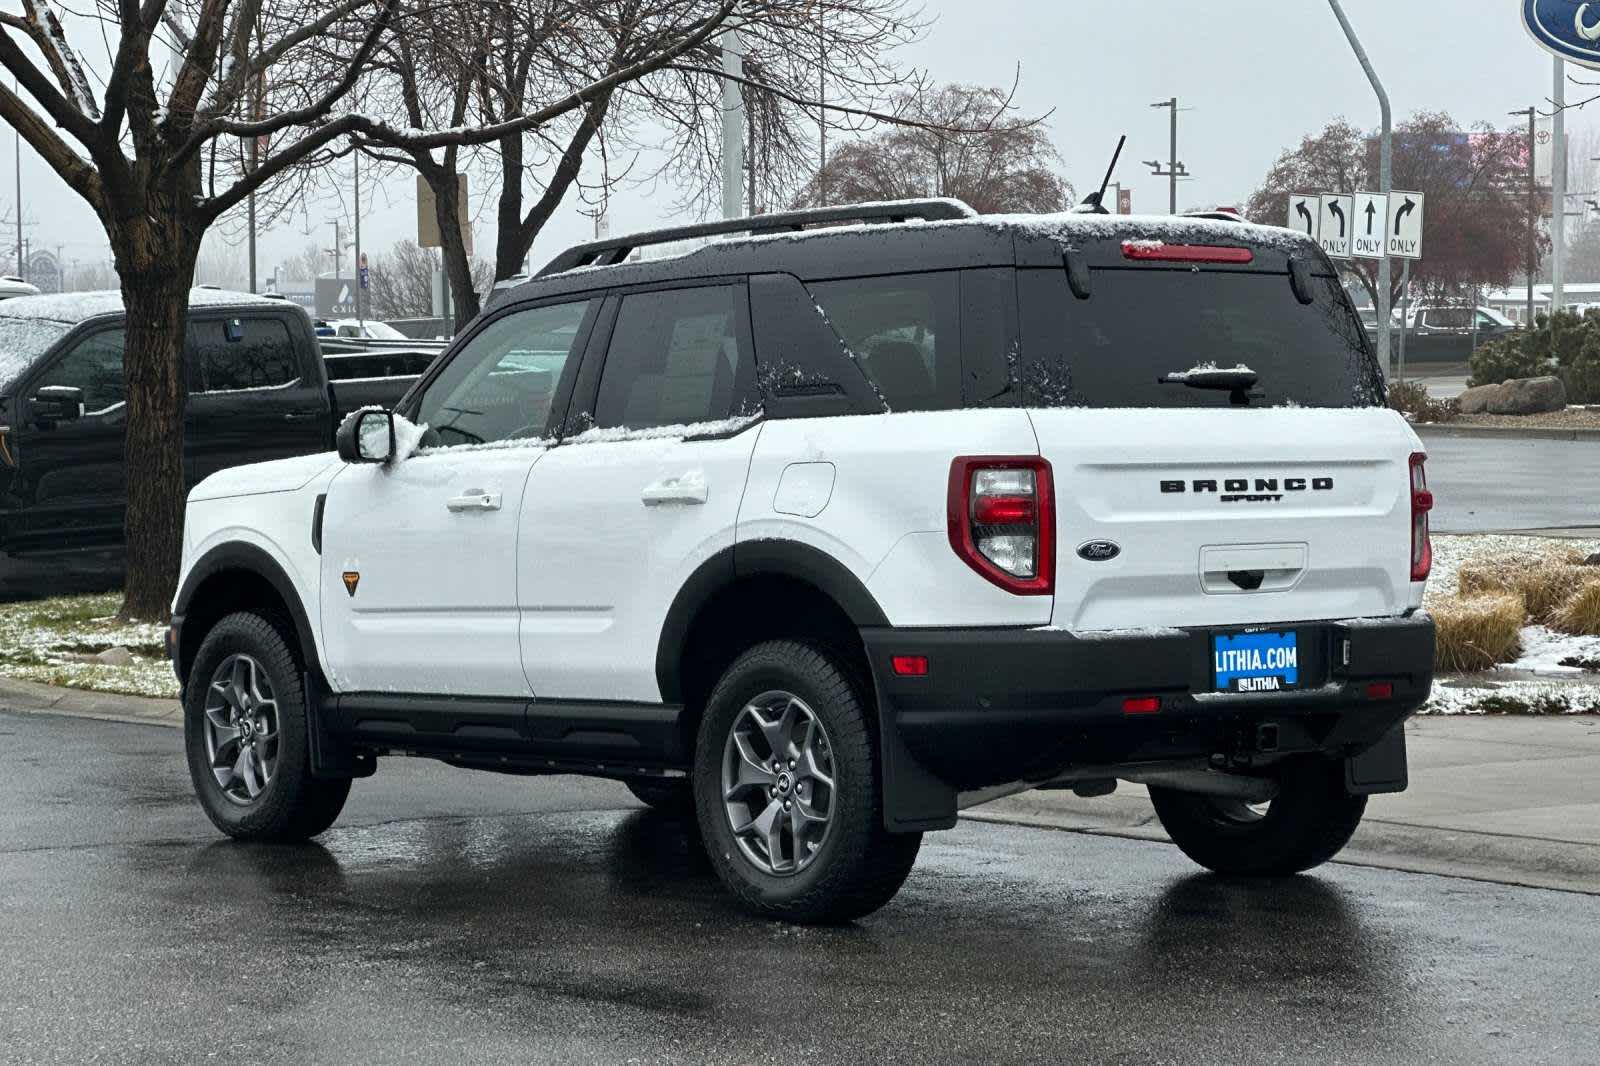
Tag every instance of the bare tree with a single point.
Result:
(961, 148)
(402, 280)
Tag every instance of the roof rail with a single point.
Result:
(616, 249)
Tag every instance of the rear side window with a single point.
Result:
(1139, 325)
(95, 366)
(676, 358)
(905, 333)
(243, 353)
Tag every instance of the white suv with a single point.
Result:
(823, 532)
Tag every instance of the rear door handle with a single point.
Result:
(686, 488)
(301, 416)
(474, 500)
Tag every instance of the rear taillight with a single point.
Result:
(1001, 514)
(1421, 504)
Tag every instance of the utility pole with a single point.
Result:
(1533, 201)
(822, 112)
(1385, 174)
(732, 127)
(361, 316)
(1558, 191)
(21, 269)
(1174, 169)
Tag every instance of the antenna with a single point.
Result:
(1094, 204)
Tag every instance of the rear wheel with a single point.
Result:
(1306, 824)
(787, 791)
(246, 736)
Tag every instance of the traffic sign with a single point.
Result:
(1336, 221)
(1367, 221)
(1404, 230)
(1303, 211)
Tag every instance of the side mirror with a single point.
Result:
(57, 403)
(366, 437)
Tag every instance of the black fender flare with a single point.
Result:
(786, 558)
(237, 555)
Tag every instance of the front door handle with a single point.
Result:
(474, 500)
(686, 488)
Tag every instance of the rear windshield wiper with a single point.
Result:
(1238, 380)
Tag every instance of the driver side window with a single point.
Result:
(501, 384)
(95, 366)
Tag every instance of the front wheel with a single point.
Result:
(1310, 820)
(246, 736)
(787, 791)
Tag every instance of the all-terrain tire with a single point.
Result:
(1311, 819)
(669, 795)
(293, 805)
(859, 865)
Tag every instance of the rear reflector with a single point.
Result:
(910, 665)
(1160, 251)
(1380, 690)
(1141, 705)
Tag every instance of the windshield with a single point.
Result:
(1145, 338)
(23, 341)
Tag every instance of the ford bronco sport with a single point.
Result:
(822, 532)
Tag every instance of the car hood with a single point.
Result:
(279, 475)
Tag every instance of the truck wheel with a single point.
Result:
(669, 795)
(787, 791)
(1305, 825)
(245, 735)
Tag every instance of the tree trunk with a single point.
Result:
(156, 296)
(451, 214)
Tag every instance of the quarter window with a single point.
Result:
(676, 358)
(500, 385)
(904, 331)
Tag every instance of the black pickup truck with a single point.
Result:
(259, 388)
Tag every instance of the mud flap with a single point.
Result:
(914, 800)
(329, 758)
(1381, 768)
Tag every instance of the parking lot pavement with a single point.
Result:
(1484, 486)
(460, 917)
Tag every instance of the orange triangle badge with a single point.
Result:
(352, 578)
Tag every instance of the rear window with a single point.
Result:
(1140, 325)
(243, 353)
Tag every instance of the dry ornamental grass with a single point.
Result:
(1580, 614)
(1542, 583)
(1476, 632)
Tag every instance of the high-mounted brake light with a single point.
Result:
(1001, 517)
(1421, 504)
(1160, 251)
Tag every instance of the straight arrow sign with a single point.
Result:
(1371, 210)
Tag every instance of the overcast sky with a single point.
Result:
(1258, 74)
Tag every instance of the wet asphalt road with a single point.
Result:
(460, 917)
(1484, 485)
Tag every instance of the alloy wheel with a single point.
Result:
(241, 728)
(778, 783)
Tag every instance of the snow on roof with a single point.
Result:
(73, 307)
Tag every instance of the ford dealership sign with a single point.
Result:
(1569, 28)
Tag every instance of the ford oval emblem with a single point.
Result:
(1099, 551)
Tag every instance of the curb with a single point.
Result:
(1436, 429)
(30, 697)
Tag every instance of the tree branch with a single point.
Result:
(29, 77)
(73, 169)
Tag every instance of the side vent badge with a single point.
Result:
(1099, 551)
(352, 578)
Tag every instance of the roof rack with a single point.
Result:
(616, 249)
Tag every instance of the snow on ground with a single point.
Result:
(55, 641)
(1558, 673)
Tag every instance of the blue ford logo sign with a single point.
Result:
(1099, 551)
(1569, 28)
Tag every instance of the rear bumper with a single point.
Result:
(1004, 705)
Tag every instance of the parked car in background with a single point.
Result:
(1440, 333)
(259, 389)
(369, 330)
(12, 287)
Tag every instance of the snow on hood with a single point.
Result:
(278, 475)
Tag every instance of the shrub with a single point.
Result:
(1476, 632)
(1580, 613)
(1515, 355)
(1541, 583)
(1410, 398)
(1582, 375)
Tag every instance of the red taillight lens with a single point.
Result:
(1160, 251)
(1001, 514)
(909, 665)
(1141, 705)
(1380, 690)
(1421, 504)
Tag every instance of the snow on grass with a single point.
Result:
(1556, 673)
(55, 641)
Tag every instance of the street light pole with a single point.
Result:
(1174, 169)
(1385, 174)
(1533, 200)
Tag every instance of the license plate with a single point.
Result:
(1255, 662)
